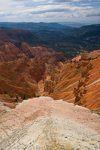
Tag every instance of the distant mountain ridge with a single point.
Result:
(77, 32)
(70, 41)
(31, 26)
(72, 24)
(17, 35)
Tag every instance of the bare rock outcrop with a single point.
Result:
(49, 86)
(43, 123)
(85, 55)
(78, 82)
(23, 67)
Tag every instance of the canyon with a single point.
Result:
(27, 72)
(46, 101)
(22, 67)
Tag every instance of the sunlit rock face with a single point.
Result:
(77, 81)
(44, 123)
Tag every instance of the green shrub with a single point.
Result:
(24, 97)
(5, 92)
(16, 99)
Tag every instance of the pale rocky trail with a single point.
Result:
(45, 124)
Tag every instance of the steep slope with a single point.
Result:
(16, 80)
(77, 82)
(29, 71)
(19, 77)
(10, 52)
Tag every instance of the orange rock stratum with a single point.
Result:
(21, 69)
(56, 122)
(33, 71)
(77, 82)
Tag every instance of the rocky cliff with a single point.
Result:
(77, 81)
(22, 67)
(44, 123)
(35, 71)
(10, 51)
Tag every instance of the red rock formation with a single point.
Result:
(74, 81)
(85, 55)
(16, 80)
(22, 68)
(10, 52)
(78, 82)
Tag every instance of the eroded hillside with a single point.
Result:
(76, 81)
(22, 67)
(27, 72)
(42, 122)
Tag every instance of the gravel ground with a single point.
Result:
(45, 124)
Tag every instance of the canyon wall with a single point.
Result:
(22, 67)
(77, 81)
